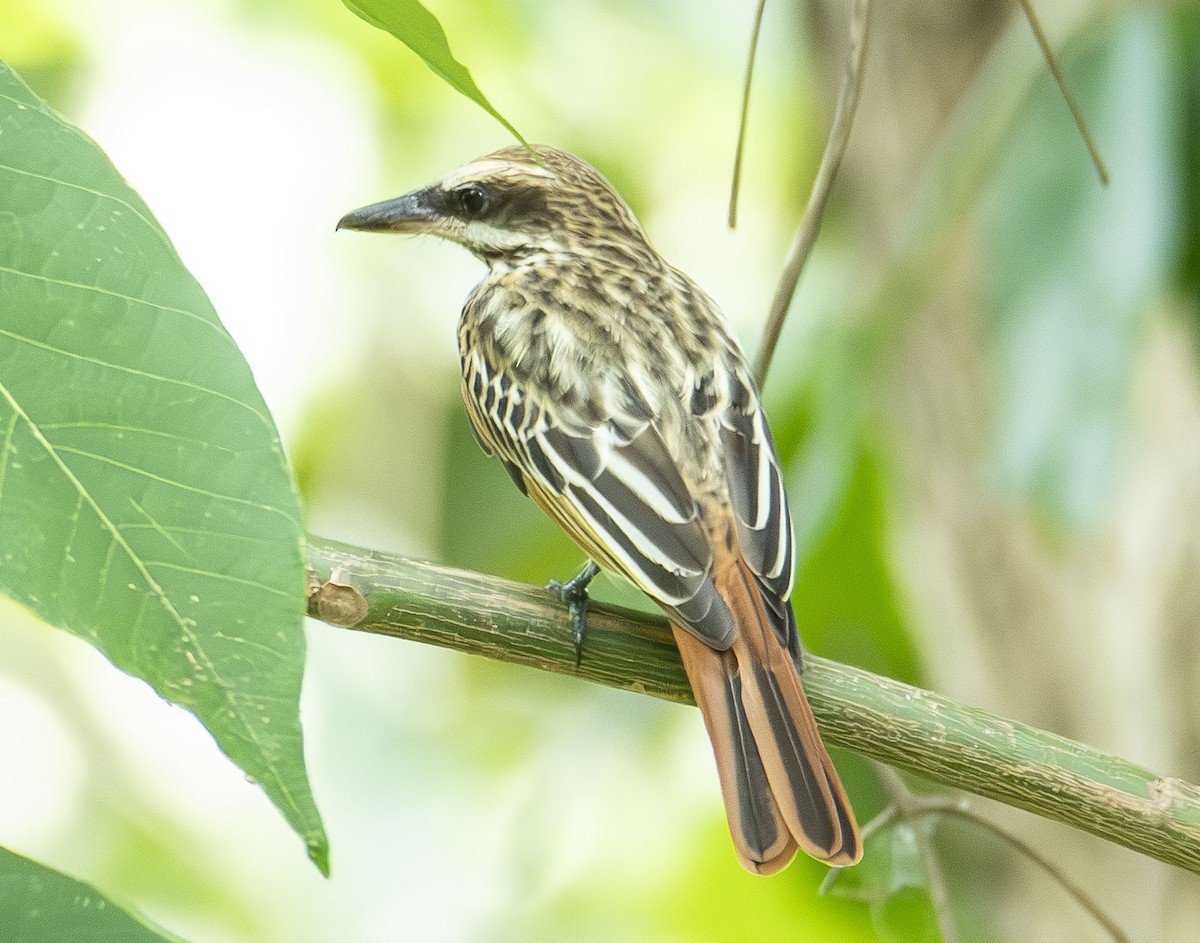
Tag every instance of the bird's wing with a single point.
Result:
(764, 521)
(612, 483)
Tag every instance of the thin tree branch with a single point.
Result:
(901, 798)
(1076, 112)
(739, 152)
(906, 806)
(1081, 897)
(906, 727)
(810, 225)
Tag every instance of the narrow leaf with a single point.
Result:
(145, 503)
(411, 23)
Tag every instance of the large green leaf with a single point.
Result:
(39, 905)
(411, 23)
(145, 503)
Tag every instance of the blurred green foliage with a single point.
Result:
(1183, 25)
(1072, 269)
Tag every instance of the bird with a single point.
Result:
(614, 392)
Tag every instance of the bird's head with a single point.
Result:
(509, 206)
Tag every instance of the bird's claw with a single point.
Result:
(574, 595)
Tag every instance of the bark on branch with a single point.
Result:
(906, 727)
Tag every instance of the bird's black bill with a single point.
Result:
(409, 213)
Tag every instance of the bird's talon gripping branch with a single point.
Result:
(574, 595)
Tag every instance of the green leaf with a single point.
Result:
(1184, 22)
(40, 905)
(145, 503)
(891, 879)
(411, 23)
(1073, 268)
(846, 599)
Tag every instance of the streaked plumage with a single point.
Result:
(612, 390)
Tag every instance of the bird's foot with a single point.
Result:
(573, 594)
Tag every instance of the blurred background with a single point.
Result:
(987, 397)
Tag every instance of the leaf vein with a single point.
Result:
(119, 427)
(210, 323)
(159, 529)
(133, 371)
(6, 451)
(214, 534)
(153, 224)
(196, 571)
(172, 483)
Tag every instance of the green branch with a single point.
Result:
(903, 726)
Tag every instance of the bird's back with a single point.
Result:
(595, 340)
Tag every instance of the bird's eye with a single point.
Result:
(472, 200)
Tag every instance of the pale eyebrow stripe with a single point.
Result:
(480, 169)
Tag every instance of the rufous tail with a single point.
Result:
(780, 787)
